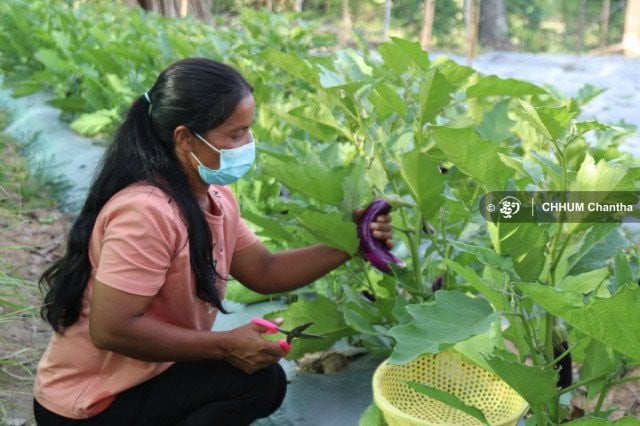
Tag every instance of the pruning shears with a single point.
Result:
(296, 333)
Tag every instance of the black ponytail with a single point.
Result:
(197, 93)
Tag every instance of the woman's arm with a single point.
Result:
(117, 323)
(265, 272)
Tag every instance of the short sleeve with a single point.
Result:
(246, 237)
(139, 240)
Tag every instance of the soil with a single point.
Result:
(29, 243)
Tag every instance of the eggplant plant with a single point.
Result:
(432, 138)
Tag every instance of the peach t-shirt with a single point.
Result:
(139, 245)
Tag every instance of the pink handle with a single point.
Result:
(286, 346)
(271, 328)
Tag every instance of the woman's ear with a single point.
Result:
(183, 138)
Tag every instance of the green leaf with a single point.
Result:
(399, 55)
(317, 182)
(525, 243)
(496, 124)
(236, 292)
(601, 360)
(317, 120)
(496, 86)
(602, 177)
(425, 182)
(526, 112)
(435, 94)
(453, 318)
(556, 120)
(328, 322)
(486, 256)
(613, 321)
(372, 416)
(51, 61)
(449, 399)
(476, 158)
(386, 101)
(95, 122)
(536, 385)
(623, 270)
(329, 228)
(586, 282)
(495, 297)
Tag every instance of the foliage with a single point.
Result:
(429, 135)
(81, 52)
(388, 123)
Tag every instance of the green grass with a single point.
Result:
(23, 191)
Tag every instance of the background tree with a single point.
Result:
(631, 37)
(177, 8)
(493, 29)
(471, 19)
(427, 23)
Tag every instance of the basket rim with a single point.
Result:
(386, 406)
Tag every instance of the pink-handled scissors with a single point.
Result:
(271, 328)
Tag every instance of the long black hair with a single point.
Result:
(197, 93)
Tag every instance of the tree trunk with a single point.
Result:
(427, 23)
(582, 12)
(179, 8)
(605, 13)
(471, 18)
(297, 6)
(345, 27)
(386, 23)
(631, 38)
(493, 31)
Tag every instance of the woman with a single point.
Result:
(134, 298)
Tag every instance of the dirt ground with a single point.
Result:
(27, 246)
(28, 243)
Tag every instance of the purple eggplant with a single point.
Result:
(372, 249)
(437, 284)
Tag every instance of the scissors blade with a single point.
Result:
(298, 333)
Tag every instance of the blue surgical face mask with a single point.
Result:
(234, 163)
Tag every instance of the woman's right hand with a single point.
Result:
(248, 351)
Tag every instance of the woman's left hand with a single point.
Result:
(381, 229)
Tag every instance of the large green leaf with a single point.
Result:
(329, 228)
(292, 64)
(496, 124)
(435, 94)
(613, 321)
(399, 54)
(453, 318)
(525, 243)
(322, 183)
(386, 101)
(328, 322)
(425, 182)
(473, 156)
(317, 120)
(95, 122)
(602, 177)
(486, 256)
(495, 86)
(495, 297)
(536, 385)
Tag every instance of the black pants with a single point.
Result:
(189, 393)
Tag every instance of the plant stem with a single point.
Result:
(603, 394)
